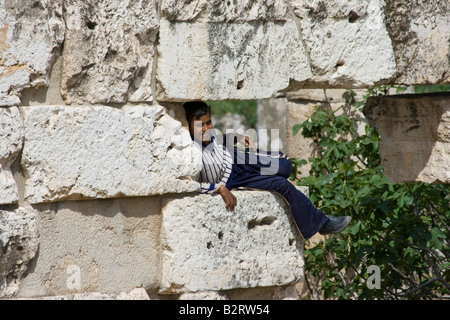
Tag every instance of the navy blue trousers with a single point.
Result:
(271, 172)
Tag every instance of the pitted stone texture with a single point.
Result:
(103, 152)
(415, 139)
(208, 248)
(252, 50)
(11, 137)
(19, 241)
(30, 34)
(347, 42)
(420, 33)
(108, 51)
(224, 11)
(217, 61)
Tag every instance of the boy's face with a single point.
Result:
(200, 128)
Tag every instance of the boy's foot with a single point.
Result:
(335, 225)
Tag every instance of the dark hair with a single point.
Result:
(196, 109)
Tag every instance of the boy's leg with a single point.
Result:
(308, 219)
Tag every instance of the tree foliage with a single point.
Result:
(403, 229)
(247, 108)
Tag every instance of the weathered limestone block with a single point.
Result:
(219, 50)
(415, 136)
(347, 42)
(19, 241)
(104, 152)
(108, 51)
(217, 61)
(420, 33)
(224, 11)
(208, 248)
(11, 137)
(214, 50)
(30, 34)
(107, 246)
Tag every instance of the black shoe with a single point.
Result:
(335, 225)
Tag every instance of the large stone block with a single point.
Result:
(415, 139)
(224, 11)
(347, 42)
(108, 246)
(420, 33)
(108, 51)
(104, 152)
(220, 60)
(208, 248)
(30, 34)
(255, 49)
(11, 137)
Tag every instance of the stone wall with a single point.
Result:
(115, 51)
(94, 145)
(415, 136)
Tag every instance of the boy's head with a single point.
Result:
(198, 115)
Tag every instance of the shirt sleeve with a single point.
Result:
(210, 188)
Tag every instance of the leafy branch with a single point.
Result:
(401, 228)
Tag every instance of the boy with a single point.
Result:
(225, 168)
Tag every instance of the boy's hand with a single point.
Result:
(228, 197)
(248, 143)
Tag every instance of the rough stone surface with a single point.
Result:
(108, 246)
(415, 136)
(208, 248)
(282, 46)
(11, 137)
(31, 32)
(19, 241)
(347, 42)
(104, 152)
(223, 11)
(108, 51)
(420, 33)
(118, 51)
(216, 61)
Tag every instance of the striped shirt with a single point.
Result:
(216, 168)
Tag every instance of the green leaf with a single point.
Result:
(436, 235)
(296, 128)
